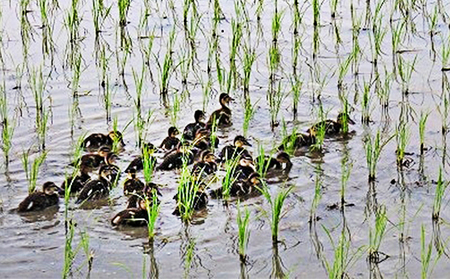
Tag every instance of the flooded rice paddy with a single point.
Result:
(71, 68)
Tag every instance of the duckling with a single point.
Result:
(77, 181)
(332, 127)
(137, 164)
(94, 141)
(244, 168)
(200, 200)
(40, 200)
(242, 187)
(191, 129)
(136, 216)
(148, 191)
(93, 161)
(171, 141)
(282, 162)
(206, 165)
(176, 159)
(231, 152)
(296, 141)
(222, 116)
(98, 188)
(114, 170)
(202, 141)
(132, 184)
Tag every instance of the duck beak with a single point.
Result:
(247, 143)
(350, 121)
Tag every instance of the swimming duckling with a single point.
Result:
(200, 200)
(40, 200)
(77, 181)
(244, 168)
(332, 127)
(282, 162)
(113, 169)
(132, 184)
(136, 216)
(207, 164)
(176, 159)
(191, 129)
(137, 164)
(171, 141)
(98, 188)
(296, 141)
(94, 141)
(147, 191)
(93, 161)
(222, 116)
(243, 187)
(231, 152)
(203, 141)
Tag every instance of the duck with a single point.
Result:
(40, 200)
(200, 200)
(222, 116)
(191, 129)
(236, 150)
(132, 184)
(297, 141)
(206, 165)
(282, 162)
(94, 141)
(244, 168)
(202, 141)
(171, 141)
(76, 182)
(176, 159)
(332, 127)
(137, 164)
(98, 188)
(148, 190)
(134, 216)
(113, 169)
(241, 187)
(92, 161)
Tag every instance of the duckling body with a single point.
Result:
(332, 127)
(114, 170)
(40, 200)
(175, 160)
(243, 187)
(137, 164)
(171, 141)
(236, 150)
(206, 165)
(200, 199)
(132, 184)
(77, 181)
(281, 162)
(191, 129)
(296, 141)
(96, 189)
(94, 141)
(135, 216)
(93, 161)
(222, 116)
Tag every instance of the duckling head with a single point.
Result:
(199, 115)
(254, 178)
(343, 116)
(111, 158)
(247, 161)
(105, 172)
(240, 141)
(207, 156)
(49, 188)
(116, 136)
(173, 131)
(104, 151)
(225, 99)
(283, 157)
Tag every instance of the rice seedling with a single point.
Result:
(422, 123)
(152, 206)
(243, 231)
(249, 113)
(46, 27)
(25, 28)
(365, 104)
(100, 13)
(320, 132)
(249, 59)
(383, 91)
(378, 33)
(296, 90)
(275, 99)
(316, 13)
(402, 137)
(356, 30)
(8, 125)
(276, 206)
(346, 168)
(376, 235)
(373, 149)
(230, 177)
(124, 6)
(188, 187)
(441, 187)
(236, 29)
(89, 253)
(69, 252)
(317, 194)
(32, 172)
(148, 165)
(189, 256)
(167, 67)
(405, 71)
(445, 54)
(343, 70)
(425, 255)
(175, 108)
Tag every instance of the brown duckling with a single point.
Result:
(175, 160)
(132, 184)
(148, 191)
(171, 141)
(282, 162)
(332, 127)
(98, 188)
(135, 216)
(206, 165)
(203, 141)
(222, 116)
(200, 200)
(94, 141)
(296, 141)
(244, 168)
(93, 161)
(243, 187)
(137, 164)
(76, 182)
(113, 169)
(191, 129)
(40, 200)
(231, 152)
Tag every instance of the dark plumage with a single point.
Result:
(222, 116)
(191, 129)
(94, 141)
(137, 164)
(93, 161)
(136, 216)
(282, 162)
(40, 200)
(98, 188)
(332, 127)
(296, 141)
(132, 184)
(171, 141)
(206, 165)
(236, 150)
(77, 182)
(244, 187)
(175, 159)
(200, 200)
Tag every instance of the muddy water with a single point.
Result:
(33, 245)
